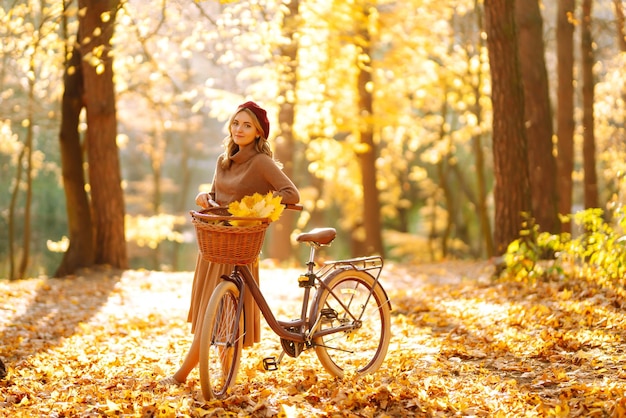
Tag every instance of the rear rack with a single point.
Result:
(372, 264)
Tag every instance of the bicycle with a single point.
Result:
(346, 321)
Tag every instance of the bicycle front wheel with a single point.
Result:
(220, 342)
(355, 325)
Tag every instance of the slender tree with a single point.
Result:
(538, 116)
(80, 252)
(444, 170)
(589, 141)
(478, 149)
(367, 154)
(25, 159)
(565, 105)
(26, 237)
(285, 142)
(512, 183)
(19, 169)
(618, 6)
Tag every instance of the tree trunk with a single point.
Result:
(367, 155)
(157, 155)
(185, 185)
(26, 157)
(479, 158)
(619, 21)
(512, 183)
(280, 247)
(95, 30)
(589, 145)
(538, 116)
(442, 172)
(11, 216)
(80, 252)
(22, 274)
(621, 35)
(565, 106)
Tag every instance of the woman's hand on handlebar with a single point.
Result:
(204, 200)
(293, 206)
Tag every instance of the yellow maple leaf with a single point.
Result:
(256, 206)
(112, 406)
(277, 207)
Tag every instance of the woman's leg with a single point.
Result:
(204, 281)
(191, 360)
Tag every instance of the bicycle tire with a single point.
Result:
(361, 350)
(220, 351)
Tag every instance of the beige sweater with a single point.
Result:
(251, 172)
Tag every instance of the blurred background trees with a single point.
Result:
(381, 112)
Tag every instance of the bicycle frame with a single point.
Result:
(242, 277)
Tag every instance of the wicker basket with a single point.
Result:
(222, 243)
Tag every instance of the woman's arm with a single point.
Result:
(281, 184)
(204, 199)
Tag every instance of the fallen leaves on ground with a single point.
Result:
(463, 345)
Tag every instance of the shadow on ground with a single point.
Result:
(51, 312)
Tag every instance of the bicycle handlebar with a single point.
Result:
(220, 212)
(293, 206)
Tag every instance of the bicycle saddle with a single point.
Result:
(320, 236)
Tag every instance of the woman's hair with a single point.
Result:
(260, 143)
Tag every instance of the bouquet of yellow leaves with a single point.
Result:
(256, 206)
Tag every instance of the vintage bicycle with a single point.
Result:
(345, 313)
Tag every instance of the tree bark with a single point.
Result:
(184, 174)
(29, 177)
(619, 20)
(565, 106)
(96, 27)
(589, 141)
(443, 169)
(12, 209)
(280, 247)
(538, 116)
(479, 157)
(512, 183)
(80, 252)
(373, 243)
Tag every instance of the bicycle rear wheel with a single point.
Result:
(352, 297)
(220, 345)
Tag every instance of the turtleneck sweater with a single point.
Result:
(251, 172)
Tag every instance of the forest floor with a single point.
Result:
(463, 344)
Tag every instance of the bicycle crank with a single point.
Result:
(292, 348)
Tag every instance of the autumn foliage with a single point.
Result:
(463, 344)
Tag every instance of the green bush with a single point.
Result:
(596, 251)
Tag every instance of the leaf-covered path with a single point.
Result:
(462, 345)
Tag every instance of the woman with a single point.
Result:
(246, 167)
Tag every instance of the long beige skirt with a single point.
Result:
(205, 279)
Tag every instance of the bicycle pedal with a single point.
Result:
(328, 314)
(270, 364)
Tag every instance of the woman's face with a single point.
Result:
(242, 129)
